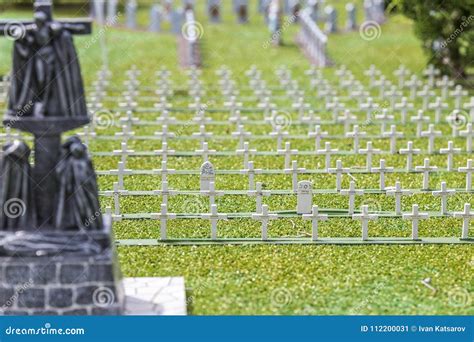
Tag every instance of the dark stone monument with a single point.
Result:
(241, 8)
(56, 250)
(214, 10)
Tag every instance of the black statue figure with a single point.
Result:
(77, 205)
(17, 204)
(46, 76)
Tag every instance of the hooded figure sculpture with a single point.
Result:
(78, 204)
(17, 205)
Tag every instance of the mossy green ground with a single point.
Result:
(281, 279)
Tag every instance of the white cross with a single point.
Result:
(237, 118)
(165, 192)
(259, 193)
(287, 152)
(431, 72)
(438, 107)
(214, 217)
(294, 171)
(212, 193)
(469, 170)
(124, 152)
(241, 134)
(279, 134)
(202, 134)
(336, 108)
(164, 152)
(233, 105)
(164, 105)
(87, 134)
(444, 83)
(444, 193)
(339, 170)
(410, 151)
(365, 217)
(301, 106)
(116, 192)
(426, 169)
(318, 134)
(401, 72)
(450, 151)
(384, 118)
(470, 106)
(468, 133)
(467, 215)
(165, 118)
(431, 134)
(165, 134)
(356, 134)
(246, 152)
(352, 192)
(458, 94)
(129, 119)
(369, 151)
(163, 216)
(413, 84)
(125, 134)
(372, 72)
(398, 192)
(393, 94)
(404, 106)
(251, 172)
(382, 83)
(369, 107)
(419, 119)
(164, 171)
(120, 173)
(425, 95)
(415, 216)
(347, 119)
(264, 217)
(393, 135)
(267, 106)
(327, 151)
(315, 217)
(382, 169)
(205, 152)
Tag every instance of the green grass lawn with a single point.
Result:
(269, 279)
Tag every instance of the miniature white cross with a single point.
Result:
(339, 170)
(444, 193)
(116, 192)
(212, 193)
(88, 133)
(458, 94)
(469, 134)
(467, 215)
(382, 169)
(287, 152)
(352, 192)
(393, 135)
(336, 107)
(369, 151)
(404, 106)
(129, 119)
(347, 119)
(410, 151)
(125, 134)
(264, 217)
(233, 105)
(450, 151)
(382, 83)
(470, 106)
(164, 171)
(241, 134)
(165, 118)
(164, 152)
(398, 192)
(279, 134)
(124, 152)
(267, 106)
(426, 169)
(401, 72)
(356, 134)
(415, 216)
(120, 173)
(294, 171)
(237, 118)
(431, 72)
(438, 106)
(365, 217)
(425, 95)
(202, 134)
(318, 134)
(413, 84)
(301, 106)
(205, 151)
(419, 119)
(165, 134)
(246, 152)
(369, 107)
(259, 193)
(163, 105)
(469, 170)
(251, 172)
(163, 216)
(327, 151)
(372, 72)
(165, 192)
(444, 83)
(315, 217)
(214, 217)
(431, 134)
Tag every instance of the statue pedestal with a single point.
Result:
(47, 132)
(60, 273)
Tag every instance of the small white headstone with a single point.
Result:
(208, 175)
(304, 197)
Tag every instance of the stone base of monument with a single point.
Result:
(60, 273)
